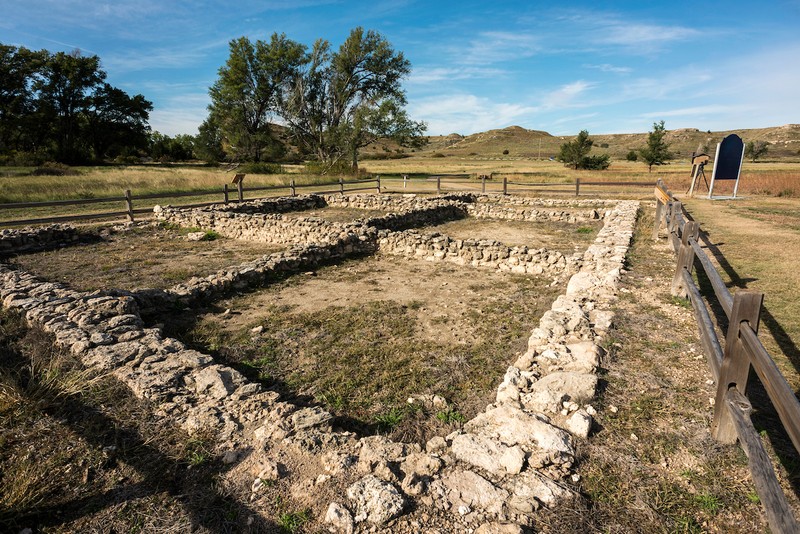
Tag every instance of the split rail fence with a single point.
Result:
(433, 184)
(730, 363)
(236, 194)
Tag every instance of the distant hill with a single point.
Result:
(520, 142)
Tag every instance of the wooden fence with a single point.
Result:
(456, 182)
(730, 364)
(129, 210)
(436, 183)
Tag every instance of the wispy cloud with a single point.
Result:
(607, 67)
(566, 95)
(429, 75)
(467, 113)
(495, 46)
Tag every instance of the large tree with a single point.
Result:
(347, 99)
(116, 121)
(334, 102)
(249, 91)
(656, 151)
(57, 106)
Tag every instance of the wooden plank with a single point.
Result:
(720, 289)
(735, 362)
(779, 514)
(76, 202)
(685, 258)
(779, 391)
(65, 218)
(661, 194)
(708, 335)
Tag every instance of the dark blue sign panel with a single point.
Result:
(729, 158)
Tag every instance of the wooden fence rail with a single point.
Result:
(130, 211)
(442, 182)
(730, 363)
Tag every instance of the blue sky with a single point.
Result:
(609, 67)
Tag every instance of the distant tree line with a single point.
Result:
(58, 107)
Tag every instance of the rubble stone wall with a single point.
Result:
(512, 458)
(26, 239)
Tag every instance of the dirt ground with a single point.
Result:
(154, 256)
(563, 237)
(363, 336)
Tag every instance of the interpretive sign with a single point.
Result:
(728, 162)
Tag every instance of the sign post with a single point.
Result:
(727, 163)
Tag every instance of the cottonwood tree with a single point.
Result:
(250, 92)
(756, 149)
(344, 100)
(656, 152)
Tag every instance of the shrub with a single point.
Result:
(261, 168)
(603, 145)
(54, 169)
(505, 152)
(594, 163)
(632, 156)
(341, 167)
(437, 155)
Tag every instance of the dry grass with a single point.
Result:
(79, 453)
(651, 465)
(157, 256)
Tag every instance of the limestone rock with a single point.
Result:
(529, 489)
(339, 518)
(467, 489)
(499, 528)
(579, 423)
(513, 426)
(550, 391)
(375, 501)
(488, 453)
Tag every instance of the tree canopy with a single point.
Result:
(756, 149)
(576, 154)
(656, 151)
(58, 106)
(334, 102)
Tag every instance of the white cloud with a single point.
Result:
(466, 113)
(429, 75)
(566, 95)
(607, 67)
(491, 47)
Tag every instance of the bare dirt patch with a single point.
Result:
(363, 336)
(563, 237)
(150, 256)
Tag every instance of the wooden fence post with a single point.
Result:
(225, 192)
(291, 186)
(405, 180)
(659, 219)
(674, 210)
(341, 186)
(438, 185)
(505, 185)
(483, 183)
(129, 204)
(691, 230)
(378, 186)
(577, 187)
(735, 362)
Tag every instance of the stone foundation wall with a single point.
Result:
(477, 253)
(26, 239)
(506, 462)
